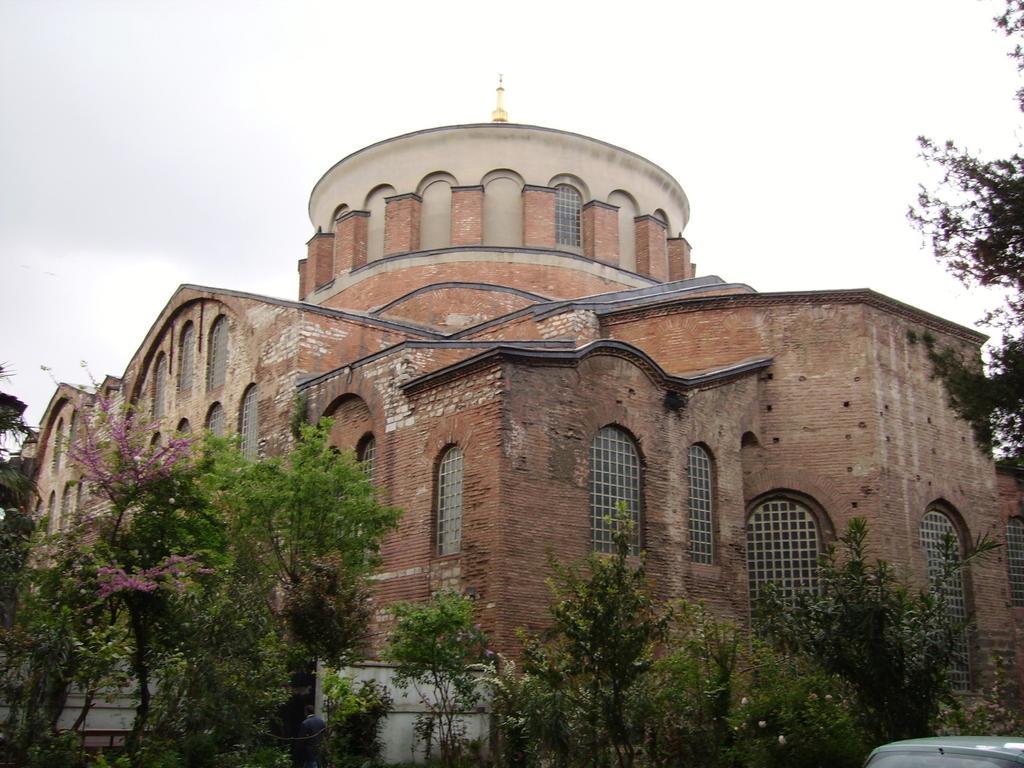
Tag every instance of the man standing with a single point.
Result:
(311, 733)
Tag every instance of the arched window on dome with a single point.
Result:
(783, 544)
(614, 481)
(249, 422)
(701, 511)
(941, 544)
(217, 353)
(159, 385)
(186, 357)
(568, 204)
(366, 451)
(1015, 560)
(215, 419)
(449, 502)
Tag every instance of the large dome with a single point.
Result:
(547, 212)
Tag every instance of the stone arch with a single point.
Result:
(435, 190)
(376, 205)
(574, 181)
(661, 216)
(338, 212)
(798, 484)
(628, 211)
(503, 207)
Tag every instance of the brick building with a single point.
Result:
(506, 325)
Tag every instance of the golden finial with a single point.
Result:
(499, 115)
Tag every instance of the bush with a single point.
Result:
(354, 719)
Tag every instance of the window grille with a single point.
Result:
(217, 354)
(614, 480)
(186, 357)
(942, 549)
(215, 419)
(449, 502)
(58, 446)
(366, 452)
(1015, 560)
(65, 507)
(701, 541)
(249, 427)
(567, 216)
(782, 549)
(159, 385)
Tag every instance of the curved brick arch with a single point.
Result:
(823, 493)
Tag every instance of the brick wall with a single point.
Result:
(467, 215)
(651, 247)
(402, 224)
(538, 217)
(601, 232)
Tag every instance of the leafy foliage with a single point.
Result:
(892, 645)
(435, 646)
(975, 222)
(354, 719)
(605, 626)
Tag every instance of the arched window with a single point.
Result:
(249, 422)
(701, 533)
(614, 480)
(65, 507)
(73, 430)
(217, 353)
(782, 548)
(1015, 560)
(58, 446)
(159, 385)
(186, 357)
(51, 512)
(567, 216)
(215, 419)
(184, 428)
(449, 502)
(157, 440)
(941, 545)
(79, 494)
(365, 453)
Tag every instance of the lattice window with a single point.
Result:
(215, 419)
(249, 422)
(1015, 560)
(365, 453)
(217, 353)
(782, 548)
(614, 480)
(449, 502)
(58, 446)
(942, 550)
(159, 385)
(186, 357)
(568, 204)
(701, 540)
(65, 507)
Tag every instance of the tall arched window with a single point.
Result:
(79, 495)
(249, 422)
(65, 507)
(58, 446)
(365, 453)
(614, 480)
(51, 512)
(184, 428)
(941, 544)
(701, 533)
(215, 419)
(1015, 560)
(568, 204)
(159, 385)
(782, 548)
(217, 353)
(186, 357)
(449, 502)
(73, 430)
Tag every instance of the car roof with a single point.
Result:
(1003, 746)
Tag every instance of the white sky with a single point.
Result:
(147, 144)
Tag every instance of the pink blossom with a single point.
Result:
(176, 571)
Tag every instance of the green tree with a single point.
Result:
(436, 647)
(891, 644)
(974, 219)
(16, 492)
(605, 626)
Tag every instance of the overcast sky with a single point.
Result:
(148, 144)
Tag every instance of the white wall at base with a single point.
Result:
(397, 732)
